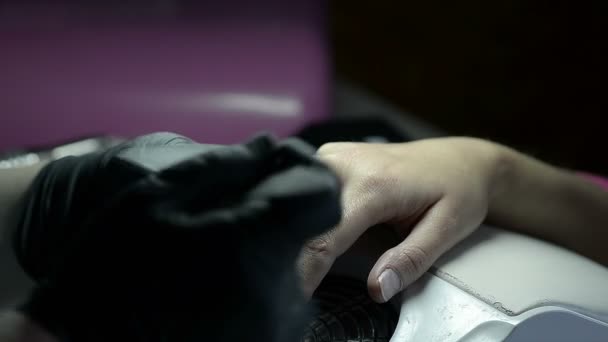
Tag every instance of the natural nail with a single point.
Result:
(390, 284)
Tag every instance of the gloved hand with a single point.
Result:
(161, 238)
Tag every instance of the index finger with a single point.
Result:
(361, 209)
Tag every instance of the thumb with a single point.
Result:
(401, 265)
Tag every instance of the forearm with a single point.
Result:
(13, 186)
(550, 203)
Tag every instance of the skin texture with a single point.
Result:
(435, 192)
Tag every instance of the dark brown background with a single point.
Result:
(527, 73)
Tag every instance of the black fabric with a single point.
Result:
(163, 239)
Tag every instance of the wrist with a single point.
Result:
(495, 163)
(502, 169)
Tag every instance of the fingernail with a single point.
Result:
(390, 284)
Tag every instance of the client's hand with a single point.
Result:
(432, 192)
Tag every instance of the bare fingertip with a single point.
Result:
(374, 290)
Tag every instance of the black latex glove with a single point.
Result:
(164, 239)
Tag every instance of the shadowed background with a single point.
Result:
(527, 73)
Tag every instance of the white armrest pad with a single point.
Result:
(516, 273)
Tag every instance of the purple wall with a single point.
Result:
(203, 71)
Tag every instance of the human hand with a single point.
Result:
(433, 193)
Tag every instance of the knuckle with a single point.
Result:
(340, 157)
(326, 148)
(414, 260)
(333, 159)
(333, 147)
(317, 256)
(377, 180)
(319, 247)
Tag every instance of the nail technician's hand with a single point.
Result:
(432, 192)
